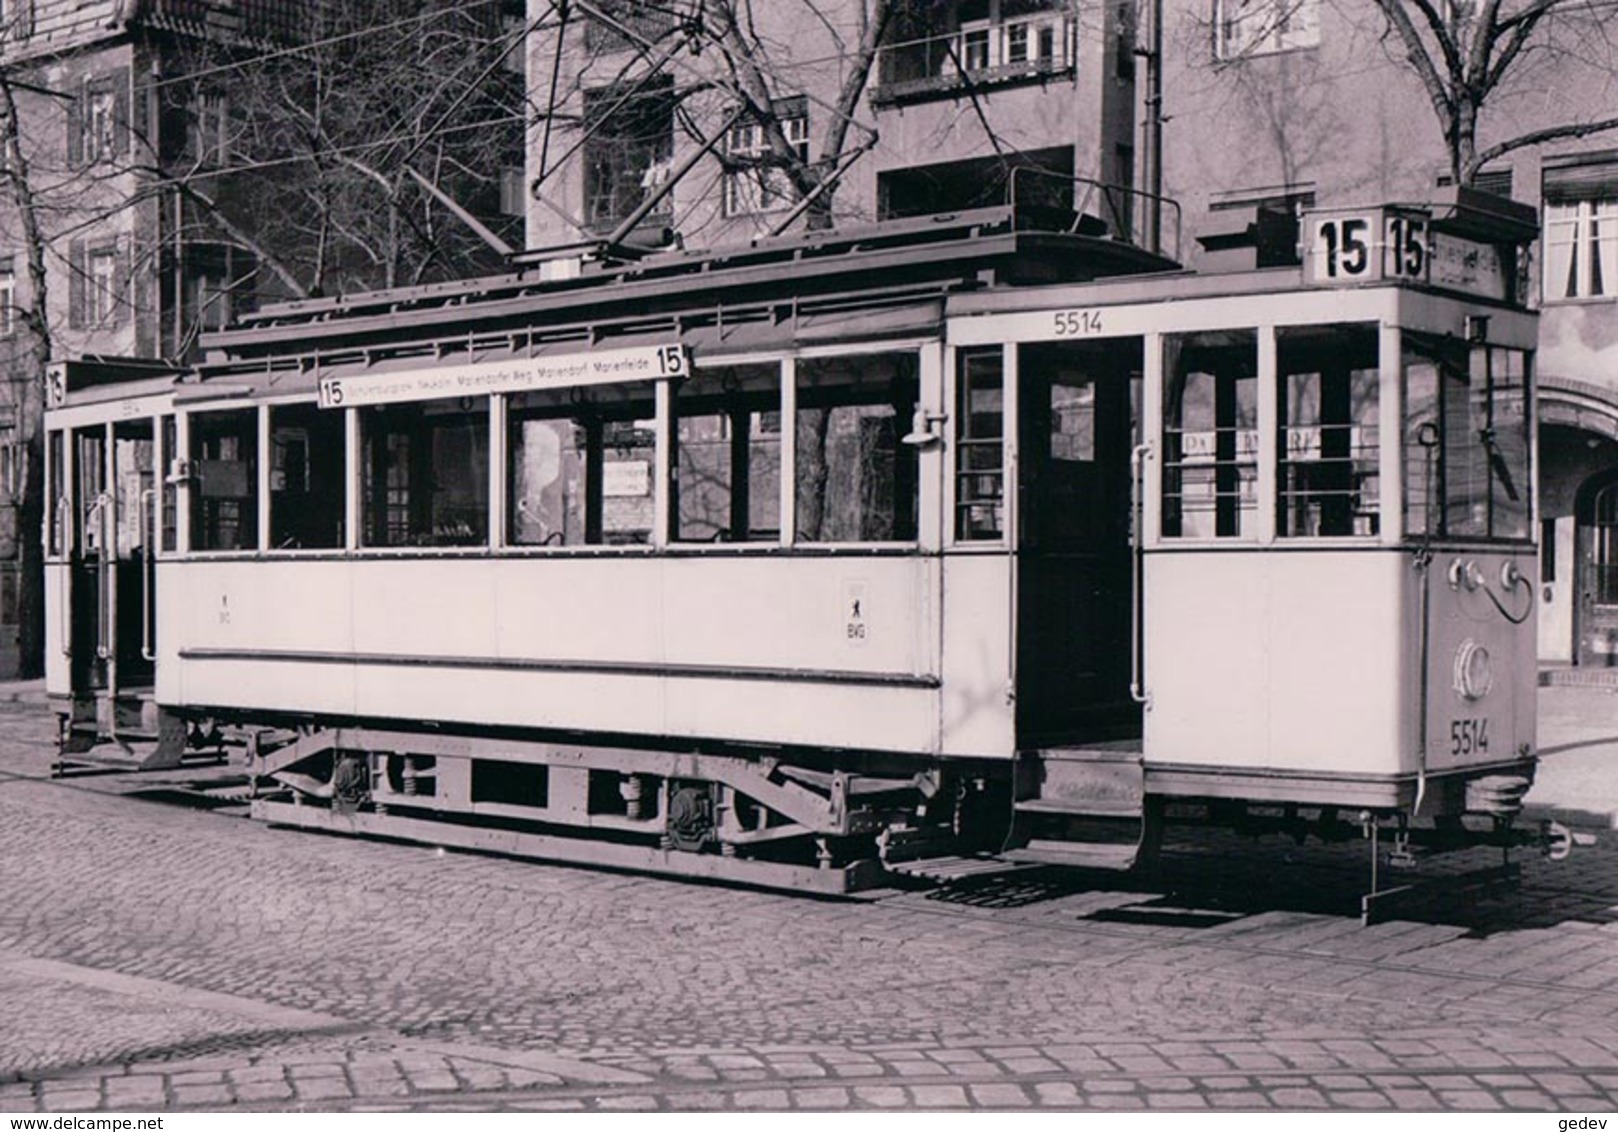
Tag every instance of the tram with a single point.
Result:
(809, 561)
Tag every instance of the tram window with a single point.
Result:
(1210, 435)
(1466, 436)
(224, 451)
(58, 511)
(426, 473)
(727, 481)
(854, 481)
(580, 463)
(979, 444)
(169, 518)
(1327, 443)
(307, 444)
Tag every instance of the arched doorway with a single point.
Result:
(1596, 621)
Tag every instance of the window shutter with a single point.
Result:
(1590, 181)
(75, 126)
(78, 268)
(121, 122)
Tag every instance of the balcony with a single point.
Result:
(976, 56)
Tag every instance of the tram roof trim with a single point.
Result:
(956, 248)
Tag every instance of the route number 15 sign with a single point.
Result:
(1367, 246)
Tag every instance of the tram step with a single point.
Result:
(1102, 780)
(945, 869)
(1109, 857)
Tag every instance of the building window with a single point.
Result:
(855, 480)
(1604, 547)
(102, 287)
(8, 298)
(754, 181)
(973, 43)
(98, 279)
(1581, 232)
(426, 473)
(727, 461)
(97, 121)
(224, 452)
(628, 154)
(208, 136)
(1244, 28)
(581, 466)
(1210, 435)
(16, 20)
(1038, 179)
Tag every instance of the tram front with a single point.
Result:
(1339, 564)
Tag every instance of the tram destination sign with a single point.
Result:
(1377, 245)
(516, 375)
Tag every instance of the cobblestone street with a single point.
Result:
(161, 955)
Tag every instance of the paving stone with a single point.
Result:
(773, 1099)
(1352, 1098)
(938, 1096)
(203, 1096)
(881, 1096)
(1245, 1100)
(1293, 1098)
(1053, 1094)
(819, 1099)
(999, 1096)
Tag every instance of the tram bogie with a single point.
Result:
(800, 577)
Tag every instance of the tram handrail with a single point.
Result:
(1119, 221)
(99, 511)
(148, 514)
(1137, 590)
(64, 528)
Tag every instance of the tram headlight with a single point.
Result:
(1474, 671)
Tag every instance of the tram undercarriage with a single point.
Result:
(775, 821)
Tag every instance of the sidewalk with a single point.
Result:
(1577, 780)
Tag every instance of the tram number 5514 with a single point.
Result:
(1468, 736)
(1077, 323)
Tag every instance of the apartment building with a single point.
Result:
(650, 116)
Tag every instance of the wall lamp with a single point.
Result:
(924, 429)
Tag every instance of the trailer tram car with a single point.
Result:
(835, 555)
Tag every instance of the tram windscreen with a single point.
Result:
(1467, 443)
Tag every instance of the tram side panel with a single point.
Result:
(1297, 676)
(58, 677)
(826, 651)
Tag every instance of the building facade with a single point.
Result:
(639, 106)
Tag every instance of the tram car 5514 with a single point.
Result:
(800, 563)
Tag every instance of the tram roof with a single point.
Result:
(928, 256)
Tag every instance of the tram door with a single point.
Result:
(1078, 408)
(112, 567)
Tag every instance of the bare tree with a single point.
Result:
(1467, 52)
